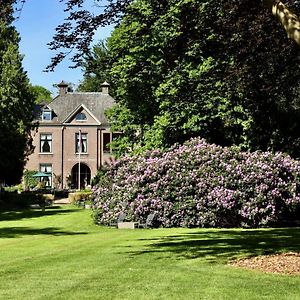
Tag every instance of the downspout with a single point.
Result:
(97, 155)
(62, 156)
(101, 149)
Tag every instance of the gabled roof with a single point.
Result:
(70, 117)
(65, 106)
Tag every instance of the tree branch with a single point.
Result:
(287, 18)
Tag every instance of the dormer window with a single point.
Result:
(47, 115)
(80, 117)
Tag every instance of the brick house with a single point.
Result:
(73, 137)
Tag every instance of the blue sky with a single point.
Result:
(36, 26)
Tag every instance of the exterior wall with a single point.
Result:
(70, 158)
(54, 158)
(64, 157)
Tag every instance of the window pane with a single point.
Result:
(47, 115)
(106, 142)
(80, 117)
(81, 146)
(46, 146)
(46, 168)
(46, 143)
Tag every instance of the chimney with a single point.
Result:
(63, 88)
(105, 87)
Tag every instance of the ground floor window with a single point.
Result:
(47, 169)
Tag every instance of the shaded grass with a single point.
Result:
(60, 254)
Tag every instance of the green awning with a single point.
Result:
(41, 174)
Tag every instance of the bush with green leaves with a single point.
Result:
(201, 185)
(16, 201)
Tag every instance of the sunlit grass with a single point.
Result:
(60, 254)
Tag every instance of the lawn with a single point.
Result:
(60, 254)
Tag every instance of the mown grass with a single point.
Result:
(60, 254)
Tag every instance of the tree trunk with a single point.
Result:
(288, 19)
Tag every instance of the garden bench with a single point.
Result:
(149, 221)
(120, 219)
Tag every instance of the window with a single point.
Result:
(46, 143)
(46, 168)
(80, 117)
(81, 143)
(106, 141)
(47, 115)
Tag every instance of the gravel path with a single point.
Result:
(62, 201)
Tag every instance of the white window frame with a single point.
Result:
(47, 115)
(84, 139)
(47, 168)
(45, 137)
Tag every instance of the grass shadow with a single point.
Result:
(15, 232)
(224, 245)
(33, 213)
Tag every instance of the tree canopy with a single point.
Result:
(79, 27)
(41, 94)
(96, 68)
(77, 30)
(177, 75)
(224, 70)
(16, 101)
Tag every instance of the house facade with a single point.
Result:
(73, 137)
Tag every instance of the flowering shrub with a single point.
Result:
(199, 184)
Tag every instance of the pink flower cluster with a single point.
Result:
(201, 185)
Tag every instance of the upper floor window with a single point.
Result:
(47, 115)
(46, 143)
(107, 138)
(80, 117)
(81, 142)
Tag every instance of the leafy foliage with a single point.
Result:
(201, 185)
(29, 180)
(41, 94)
(16, 101)
(77, 31)
(178, 75)
(96, 69)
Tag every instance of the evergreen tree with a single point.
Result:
(96, 66)
(41, 94)
(16, 102)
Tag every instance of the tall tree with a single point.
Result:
(286, 16)
(79, 27)
(178, 74)
(96, 67)
(41, 94)
(77, 30)
(16, 102)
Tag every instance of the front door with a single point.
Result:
(85, 176)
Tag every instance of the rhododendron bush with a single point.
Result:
(199, 184)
